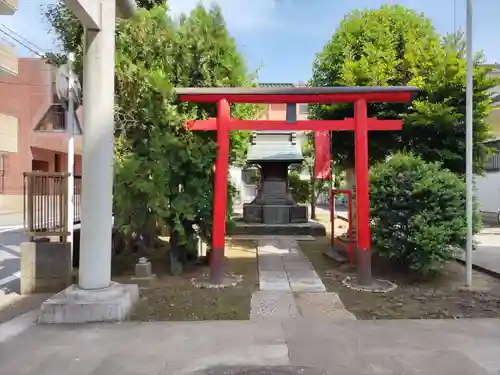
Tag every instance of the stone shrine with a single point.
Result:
(274, 152)
(274, 211)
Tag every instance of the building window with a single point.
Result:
(493, 162)
(303, 109)
(54, 119)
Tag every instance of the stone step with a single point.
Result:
(311, 228)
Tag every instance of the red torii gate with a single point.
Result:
(360, 124)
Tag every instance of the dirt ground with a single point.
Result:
(177, 299)
(441, 297)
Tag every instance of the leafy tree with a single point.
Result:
(394, 46)
(68, 31)
(299, 188)
(417, 212)
(163, 173)
(316, 186)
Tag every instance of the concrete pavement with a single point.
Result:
(10, 242)
(444, 347)
(487, 253)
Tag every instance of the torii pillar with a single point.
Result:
(95, 298)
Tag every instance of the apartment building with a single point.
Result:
(488, 186)
(8, 54)
(32, 129)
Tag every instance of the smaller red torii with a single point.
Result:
(360, 124)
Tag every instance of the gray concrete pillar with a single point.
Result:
(98, 148)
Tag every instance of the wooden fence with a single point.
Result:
(46, 204)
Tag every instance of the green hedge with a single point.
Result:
(418, 212)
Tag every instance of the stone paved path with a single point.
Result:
(289, 287)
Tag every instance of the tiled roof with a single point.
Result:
(274, 146)
(276, 85)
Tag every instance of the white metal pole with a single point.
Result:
(469, 144)
(98, 150)
(71, 151)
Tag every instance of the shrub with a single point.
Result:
(418, 212)
(299, 188)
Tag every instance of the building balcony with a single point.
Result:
(9, 134)
(9, 64)
(8, 7)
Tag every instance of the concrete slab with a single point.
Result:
(322, 306)
(445, 347)
(143, 348)
(283, 267)
(297, 264)
(397, 347)
(271, 263)
(272, 305)
(276, 286)
(305, 281)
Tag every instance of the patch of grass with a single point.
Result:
(177, 299)
(442, 296)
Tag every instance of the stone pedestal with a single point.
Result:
(274, 204)
(75, 305)
(45, 267)
(143, 274)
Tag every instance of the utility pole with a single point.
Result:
(70, 128)
(469, 144)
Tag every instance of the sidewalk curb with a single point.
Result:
(479, 268)
(18, 325)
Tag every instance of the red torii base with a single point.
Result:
(360, 124)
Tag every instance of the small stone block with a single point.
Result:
(298, 214)
(276, 214)
(143, 270)
(252, 213)
(144, 282)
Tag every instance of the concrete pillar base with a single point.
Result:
(75, 305)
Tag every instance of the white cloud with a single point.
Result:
(240, 15)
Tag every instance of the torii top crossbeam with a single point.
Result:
(313, 95)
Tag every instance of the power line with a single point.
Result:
(20, 36)
(22, 43)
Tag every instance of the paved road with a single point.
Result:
(11, 221)
(10, 241)
(487, 253)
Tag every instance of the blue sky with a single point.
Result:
(281, 37)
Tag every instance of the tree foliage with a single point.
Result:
(394, 46)
(163, 173)
(68, 31)
(299, 188)
(315, 186)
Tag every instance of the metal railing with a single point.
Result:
(46, 204)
